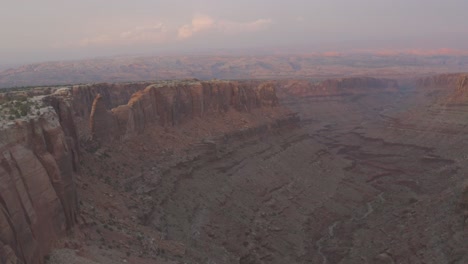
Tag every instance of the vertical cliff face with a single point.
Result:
(39, 153)
(462, 83)
(38, 201)
(112, 95)
(169, 104)
(338, 87)
(453, 86)
(443, 80)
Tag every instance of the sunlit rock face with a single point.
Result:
(170, 104)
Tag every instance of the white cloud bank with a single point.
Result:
(205, 23)
(158, 32)
(150, 34)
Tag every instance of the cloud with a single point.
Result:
(151, 34)
(158, 33)
(199, 23)
(236, 27)
(206, 23)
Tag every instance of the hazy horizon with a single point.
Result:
(68, 30)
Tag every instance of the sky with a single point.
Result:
(48, 30)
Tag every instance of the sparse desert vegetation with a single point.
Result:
(15, 109)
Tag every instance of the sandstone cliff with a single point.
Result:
(38, 201)
(169, 104)
(443, 80)
(40, 153)
(453, 86)
(338, 87)
(112, 94)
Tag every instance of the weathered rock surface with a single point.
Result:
(338, 87)
(447, 89)
(374, 174)
(369, 177)
(112, 95)
(38, 199)
(169, 104)
(452, 80)
(39, 160)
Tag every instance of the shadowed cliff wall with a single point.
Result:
(169, 104)
(38, 200)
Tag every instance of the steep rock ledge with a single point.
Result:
(444, 80)
(113, 95)
(38, 201)
(337, 87)
(453, 87)
(40, 153)
(169, 104)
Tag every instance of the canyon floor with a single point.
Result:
(373, 178)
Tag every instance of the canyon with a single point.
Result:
(343, 170)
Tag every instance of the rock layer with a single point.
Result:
(443, 80)
(38, 200)
(338, 87)
(453, 86)
(40, 154)
(169, 104)
(112, 94)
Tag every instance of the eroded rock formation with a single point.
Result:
(338, 87)
(169, 104)
(40, 154)
(38, 200)
(452, 80)
(112, 94)
(453, 86)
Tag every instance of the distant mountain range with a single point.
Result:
(126, 69)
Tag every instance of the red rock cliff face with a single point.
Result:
(169, 104)
(455, 86)
(444, 81)
(39, 156)
(112, 95)
(336, 87)
(38, 201)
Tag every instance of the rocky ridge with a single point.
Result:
(200, 174)
(338, 87)
(229, 66)
(40, 160)
(38, 165)
(172, 104)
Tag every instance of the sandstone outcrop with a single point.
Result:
(454, 86)
(38, 200)
(443, 80)
(169, 104)
(112, 95)
(338, 87)
(100, 120)
(462, 83)
(212, 172)
(40, 154)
